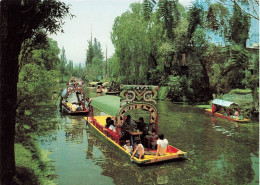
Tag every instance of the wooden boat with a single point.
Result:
(225, 109)
(132, 97)
(73, 98)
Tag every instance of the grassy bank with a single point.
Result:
(32, 163)
(32, 167)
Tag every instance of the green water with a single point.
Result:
(219, 151)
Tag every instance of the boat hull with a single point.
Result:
(209, 111)
(148, 159)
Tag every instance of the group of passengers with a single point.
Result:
(158, 143)
(110, 124)
(222, 110)
(161, 142)
(75, 106)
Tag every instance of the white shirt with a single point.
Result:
(163, 143)
(113, 128)
(142, 148)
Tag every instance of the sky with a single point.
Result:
(95, 15)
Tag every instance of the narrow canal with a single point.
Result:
(219, 151)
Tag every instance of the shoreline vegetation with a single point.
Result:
(33, 166)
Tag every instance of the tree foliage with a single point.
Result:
(20, 20)
(95, 69)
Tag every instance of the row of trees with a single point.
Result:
(163, 43)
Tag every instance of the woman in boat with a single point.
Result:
(128, 147)
(112, 126)
(79, 108)
(214, 108)
(162, 145)
(129, 122)
(139, 150)
(153, 139)
(108, 122)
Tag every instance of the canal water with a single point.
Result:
(219, 151)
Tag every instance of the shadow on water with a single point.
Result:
(219, 151)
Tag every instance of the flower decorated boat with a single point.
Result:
(132, 97)
(72, 99)
(226, 109)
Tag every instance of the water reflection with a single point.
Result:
(219, 151)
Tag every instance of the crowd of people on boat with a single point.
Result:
(157, 143)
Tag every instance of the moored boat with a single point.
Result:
(115, 107)
(73, 98)
(226, 109)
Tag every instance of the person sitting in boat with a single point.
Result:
(141, 124)
(236, 114)
(128, 147)
(162, 145)
(139, 150)
(108, 122)
(74, 106)
(129, 123)
(87, 102)
(153, 139)
(151, 127)
(141, 127)
(112, 126)
(214, 108)
(79, 108)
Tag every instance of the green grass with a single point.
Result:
(31, 170)
(204, 106)
(240, 91)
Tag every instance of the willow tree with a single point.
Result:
(20, 20)
(136, 43)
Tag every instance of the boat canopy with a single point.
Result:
(108, 104)
(223, 103)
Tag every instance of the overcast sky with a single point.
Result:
(98, 14)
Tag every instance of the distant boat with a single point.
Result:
(226, 109)
(73, 98)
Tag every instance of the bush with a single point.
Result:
(163, 92)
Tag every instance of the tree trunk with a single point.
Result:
(10, 45)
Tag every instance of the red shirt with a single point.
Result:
(213, 108)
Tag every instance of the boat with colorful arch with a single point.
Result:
(72, 99)
(132, 97)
